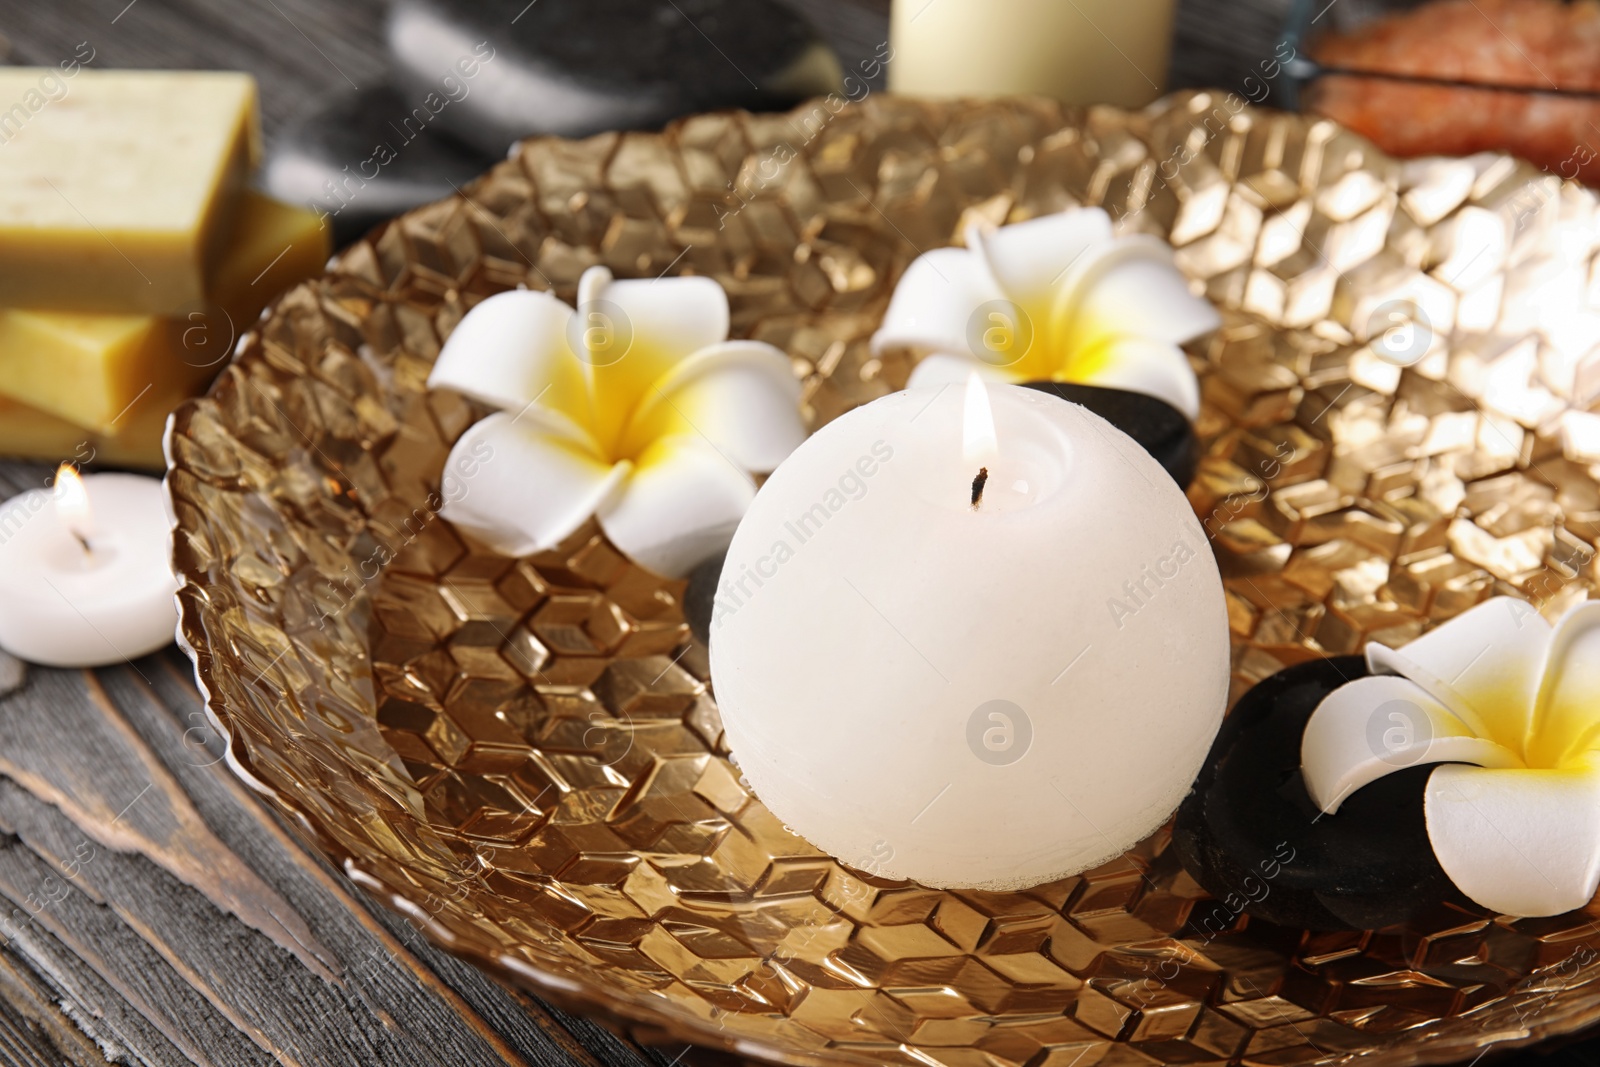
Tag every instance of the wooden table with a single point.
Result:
(151, 910)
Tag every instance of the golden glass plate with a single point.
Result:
(523, 756)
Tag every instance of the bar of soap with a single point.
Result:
(119, 191)
(28, 433)
(274, 246)
(87, 369)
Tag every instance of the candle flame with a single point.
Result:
(978, 446)
(72, 503)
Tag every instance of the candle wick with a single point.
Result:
(83, 542)
(977, 487)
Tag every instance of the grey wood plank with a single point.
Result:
(248, 983)
(422, 1019)
(36, 1029)
(300, 50)
(175, 727)
(18, 477)
(64, 742)
(146, 935)
(21, 1046)
(138, 1004)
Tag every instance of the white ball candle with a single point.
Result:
(977, 640)
(85, 571)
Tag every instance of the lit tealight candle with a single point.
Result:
(85, 577)
(975, 639)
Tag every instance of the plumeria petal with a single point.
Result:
(1128, 288)
(679, 507)
(1377, 725)
(1484, 665)
(631, 333)
(940, 369)
(742, 396)
(510, 351)
(522, 490)
(1156, 368)
(1519, 842)
(1030, 261)
(935, 301)
(1567, 717)
(677, 316)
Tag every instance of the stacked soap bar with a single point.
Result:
(132, 254)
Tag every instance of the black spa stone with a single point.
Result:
(1161, 429)
(1252, 838)
(701, 594)
(574, 68)
(366, 157)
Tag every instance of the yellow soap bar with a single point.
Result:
(87, 369)
(118, 188)
(274, 246)
(28, 433)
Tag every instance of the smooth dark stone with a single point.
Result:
(701, 595)
(1251, 836)
(1161, 429)
(1236, 887)
(511, 69)
(366, 157)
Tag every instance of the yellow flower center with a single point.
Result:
(1035, 343)
(606, 392)
(1555, 742)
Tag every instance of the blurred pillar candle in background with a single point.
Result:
(1078, 51)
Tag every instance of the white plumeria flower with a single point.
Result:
(641, 411)
(1511, 706)
(1055, 298)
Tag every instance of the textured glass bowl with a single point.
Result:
(523, 757)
